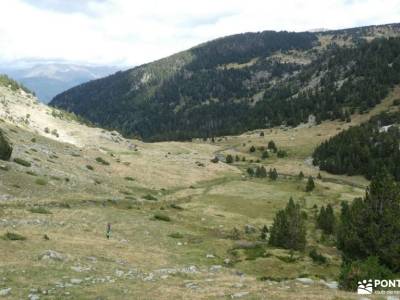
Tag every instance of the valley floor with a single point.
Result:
(182, 226)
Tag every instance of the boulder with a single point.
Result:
(5, 292)
(52, 255)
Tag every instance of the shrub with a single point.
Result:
(128, 178)
(5, 147)
(102, 161)
(252, 149)
(317, 257)
(229, 159)
(11, 236)
(39, 210)
(41, 181)
(265, 155)
(353, 272)
(89, 167)
(215, 160)
(22, 162)
(281, 153)
(162, 217)
(175, 206)
(176, 235)
(150, 197)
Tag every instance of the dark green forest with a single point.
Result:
(364, 149)
(205, 98)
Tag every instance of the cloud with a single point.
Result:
(65, 6)
(132, 32)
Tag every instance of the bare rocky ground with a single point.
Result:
(172, 212)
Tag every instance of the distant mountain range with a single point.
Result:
(50, 79)
(245, 81)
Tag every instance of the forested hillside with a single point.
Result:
(364, 149)
(243, 82)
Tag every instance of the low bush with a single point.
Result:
(22, 162)
(11, 236)
(102, 161)
(162, 217)
(39, 210)
(317, 257)
(176, 206)
(150, 197)
(176, 235)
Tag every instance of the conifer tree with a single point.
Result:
(272, 146)
(310, 184)
(370, 226)
(288, 230)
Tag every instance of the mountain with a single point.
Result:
(50, 79)
(245, 81)
(201, 219)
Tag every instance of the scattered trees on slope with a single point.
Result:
(288, 230)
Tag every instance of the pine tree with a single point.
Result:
(310, 184)
(264, 233)
(250, 171)
(273, 174)
(326, 219)
(229, 159)
(370, 226)
(301, 175)
(252, 149)
(265, 155)
(272, 146)
(261, 172)
(288, 230)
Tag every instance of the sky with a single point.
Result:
(130, 32)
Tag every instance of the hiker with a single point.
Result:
(108, 233)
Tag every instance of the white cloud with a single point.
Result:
(134, 32)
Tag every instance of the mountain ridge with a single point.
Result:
(236, 83)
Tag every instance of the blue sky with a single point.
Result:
(130, 32)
